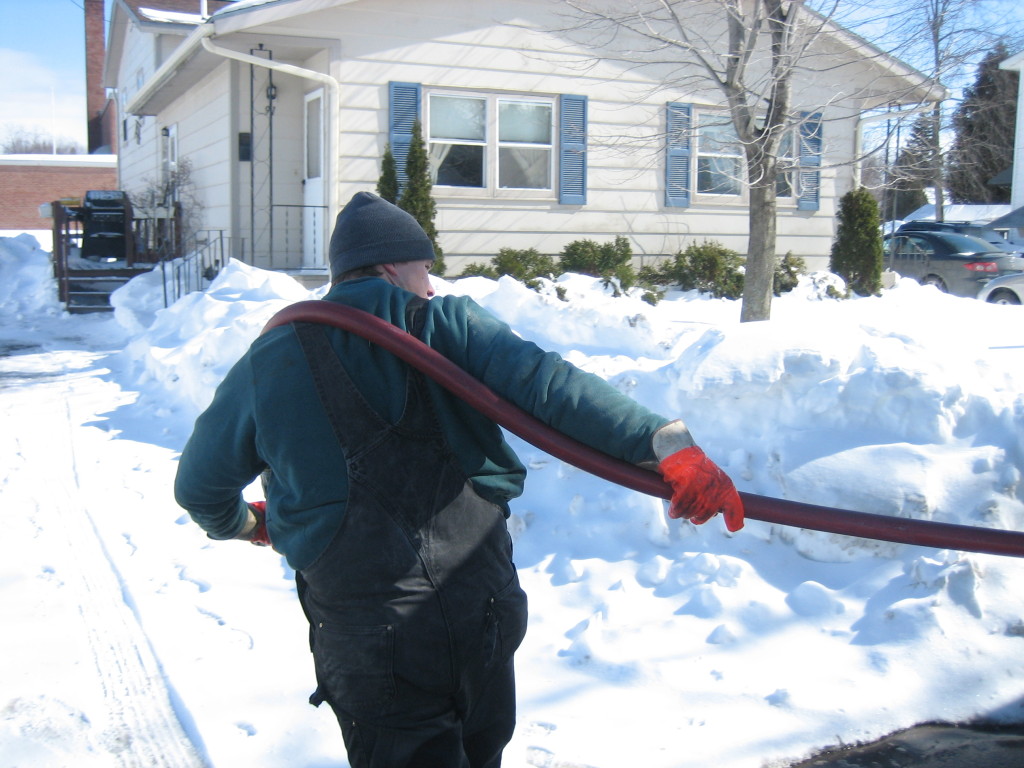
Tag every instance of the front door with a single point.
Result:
(314, 211)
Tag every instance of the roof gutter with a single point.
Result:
(179, 56)
(201, 38)
(277, 66)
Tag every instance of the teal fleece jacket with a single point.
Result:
(266, 414)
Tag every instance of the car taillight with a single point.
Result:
(982, 266)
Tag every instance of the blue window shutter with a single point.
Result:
(810, 163)
(403, 110)
(572, 150)
(677, 154)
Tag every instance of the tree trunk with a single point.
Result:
(938, 171)
(760, 270)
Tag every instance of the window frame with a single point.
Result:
(492, 145)
(683, 155)
(700, 154)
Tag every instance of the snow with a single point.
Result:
(979, 214)
(128, 633)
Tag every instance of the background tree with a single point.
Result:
(857, 250)
(745, 50)
(23, 141)
(911, 173)
(387, 184)
(416, 197)
(984, 132)
(943, 39)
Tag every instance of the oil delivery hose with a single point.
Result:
(780, 511)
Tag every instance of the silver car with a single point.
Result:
(953, 263)
(1008, 289)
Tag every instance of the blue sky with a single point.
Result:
(42, 54)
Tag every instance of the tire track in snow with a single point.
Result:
(139, 727)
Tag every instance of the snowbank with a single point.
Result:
(651, 642)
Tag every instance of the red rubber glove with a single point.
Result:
(700, 489)
(259, 535)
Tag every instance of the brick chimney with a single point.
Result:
(95, 93)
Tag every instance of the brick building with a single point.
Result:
(28, 181)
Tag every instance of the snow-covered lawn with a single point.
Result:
(129, 634)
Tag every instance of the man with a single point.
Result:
(388, 495)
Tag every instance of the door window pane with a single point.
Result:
(314, 132)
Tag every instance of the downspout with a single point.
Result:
(288, 69)
(334, 87)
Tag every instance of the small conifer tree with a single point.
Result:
(857, 250)
(416, 196)
(387, 184)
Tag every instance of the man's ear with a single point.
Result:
(389, 269)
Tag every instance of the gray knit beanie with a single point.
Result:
(370, 230)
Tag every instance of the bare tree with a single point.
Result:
(945, 39)
(171, 197)
(751, 52)
(25, 141)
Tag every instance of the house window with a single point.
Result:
(458, 141)
(719, 156)
(703, 155)
(485, 144)
(491, 142)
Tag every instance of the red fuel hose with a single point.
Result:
(780, 511)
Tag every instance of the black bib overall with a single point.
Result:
(415, 606)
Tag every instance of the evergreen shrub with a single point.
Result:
(708, 267)
(857, 250)
(609, 261)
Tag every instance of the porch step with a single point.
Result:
(91, 292)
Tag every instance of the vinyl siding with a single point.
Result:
(456, 44)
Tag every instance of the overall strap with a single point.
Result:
(354, 422)
(342, 401)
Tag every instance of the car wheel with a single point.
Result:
(937, 281)
(1003, 296)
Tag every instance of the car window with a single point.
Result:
(918, 247)
(968, 244)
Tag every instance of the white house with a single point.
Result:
(1015, 220)
(537, 135)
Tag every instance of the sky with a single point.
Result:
(42, 50)
(651, 642)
